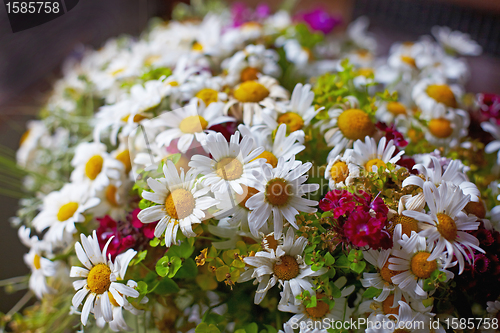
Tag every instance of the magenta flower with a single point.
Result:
(319, 20)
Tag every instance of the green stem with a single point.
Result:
(22, 302)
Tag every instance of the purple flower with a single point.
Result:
(319, 20)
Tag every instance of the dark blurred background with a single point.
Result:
(30, 61)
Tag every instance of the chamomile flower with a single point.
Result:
(446, 224)
(29, 141)
(62, 209)
(251, 97)
(399, 319)
(387, 112)
(453, 175)
(340, 172)
(307, 319)
(456, 41)
(412, 263)
(284, 266)
(94, 167)
(281, 192)
(205, 88)
(430, 92)
(446, 127)
(347, 126)
(189, 123)
(370, 156)
(41, 267)
(231, 164)
(282, 146)
(180, 203)
(233, 206)
(113, 199)
(492, 128)
(99, 287)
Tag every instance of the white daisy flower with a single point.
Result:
(453, 175)
(280, 195)
(282, 146)
(41, 267)
(446, 127)
(357, 32)
(404, 316)
(340, 172)
(250, 98)
(309, 319)
(189, 123)
(492, 128)
(456, 41)
(113, 199)
(35, 131)
(412, 263)
(370, 157)
(388, 111)
(231, 164)
(204, 87)
(94, 167)
(296, 53)
(446, 223)
(100, 276)
(430, 92)
(285, 265)
(179, 201)
(62, 209)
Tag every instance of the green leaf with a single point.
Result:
(317, 266)
(140, 257)
(154, 242)
(428, 284)
(313, 302)
(166, 286)
(355, 255)
(205, 328)
(342, 262)
(437, 275)
(162, 266)
(308, 259)
(358, 267)
(251, 328)
(372, 292)
(142, 287)
(184, 250)
(327, 214)
(270, 329)
(329, 259)
(220, 273)
(428, 301)
(176, 263)
(188, 270)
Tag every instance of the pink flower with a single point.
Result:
(319, 20)
(362, 229)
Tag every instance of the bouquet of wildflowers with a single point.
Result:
(242, 171)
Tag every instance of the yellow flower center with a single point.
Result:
(251, 25)
(179, 204)
(112, 299)
(98, 279)
(277, 192)
(408, 224)
(173, 83)
(447, 227)
(396, 108)
(24, 137)
(442, 93)
(421, 267)
(387, 273)
(137, 118)
(374, 162)
(117, 71)
(409, 61)
(269, 243)
(287, 269)
(363, 53)
(440, 127)
(94, 166)
(110, 194)
(67, 210)
(197, 47)
(124, 157)
(248, 192)
(387, 303)
(339, 171)
(365, 71)
(293, 121)
(208, 96)
(270, 158)
(476, 208)
(355, 124)
(320, 310)
(229, 168)
(249, 74)
(151, 59)
(251, 92)
(414, 135)
(36, 261)
(193, 124)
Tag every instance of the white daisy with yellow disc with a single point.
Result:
(446, 224)
(231, 165)
(252, 97)
(370, 156)
(340, 172)
(281, 192)
(430, 92)
(100, 287)
(180, 203)
(447, 127)
(284, 266)
(189, 123)
(62, 209)
(94, 167)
